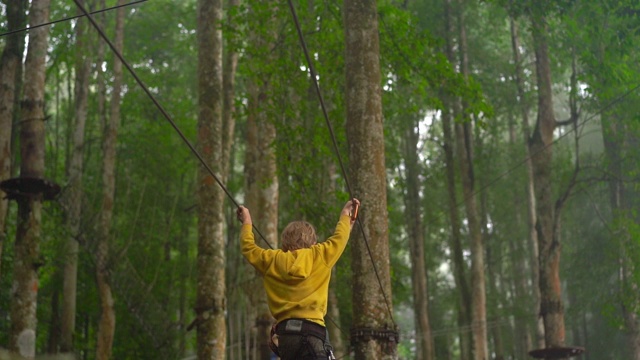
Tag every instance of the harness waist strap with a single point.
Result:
(302, 327)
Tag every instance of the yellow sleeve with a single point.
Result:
(333, 247)
(258, 257)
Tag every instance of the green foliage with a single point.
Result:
(154, 236)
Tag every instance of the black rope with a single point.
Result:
(164, 113)
(71, 18)
(335, 145)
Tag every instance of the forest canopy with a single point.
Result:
(493, 144)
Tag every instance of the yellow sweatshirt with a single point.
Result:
(297, 282)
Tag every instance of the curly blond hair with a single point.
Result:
(298, 235)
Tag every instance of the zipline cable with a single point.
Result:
(164, 113)
(335, 145)
(71, 18)
(170, 120)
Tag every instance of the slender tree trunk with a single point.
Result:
(184, 266)
(54, 325)
(541, 149)
(415, 230)
(228, 102)
(10, 73)
(615, 135)
(478, 298)
(261, 181)
(24, 291)
(494, 281)
(531, 201)
(261, 189)
(459, 267)
(629, 303)
(107, 325)
(465, 154)
(340, 350)
(251, 166)
(211, 292)
(372, 301)
(230, 59)
(74, 190)
(100, 77)
(27, 259)
(460, 277)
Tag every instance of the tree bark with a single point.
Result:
(415, 231)
(10, 75)
(228, 102)
(73, 201)
(340, 350)
(547, 219)
(372, 307)
(24, 291)
(531, 201)
(465, 154)
(107, 325)
(457, 258)
(261, 189)
(211, 291)
(478, 296)
(261, 180)
(459, 265)
(333, 313)
(615, 136)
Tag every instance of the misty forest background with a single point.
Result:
(494, 146)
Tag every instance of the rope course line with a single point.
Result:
(163, 111)
(71, 18)
(314, 79)
(335, 145)
(170, 120)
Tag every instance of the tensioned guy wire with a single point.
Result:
(71, 18)
(163, 111)
(335, 145)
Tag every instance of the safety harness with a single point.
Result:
(303, 328)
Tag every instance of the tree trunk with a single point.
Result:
(340, 350)
(465, 154)
(615, 135)
(54, 324)
(100, 77)
(494, 281)
(228, 102)
(261, 181)
(372, 306)
(459, 266)
(261, 189)
(211, 292)
(10, 75)
(478, 297)
(333, 313)
(74, 191)
(631, 318)
(107, 325)
(531, 200)
(541, 149)
(24, 291)
(415, 231)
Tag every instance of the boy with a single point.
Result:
(296, 280)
